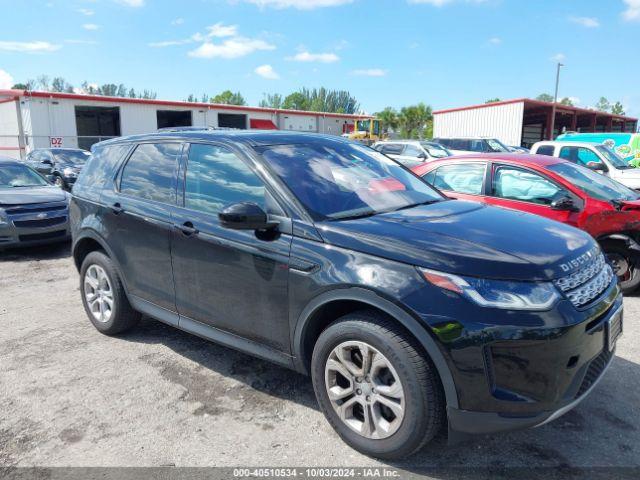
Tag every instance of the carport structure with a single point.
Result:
(524, 121)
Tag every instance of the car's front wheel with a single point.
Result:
(376, 387)
(625, 266)
(103, 295)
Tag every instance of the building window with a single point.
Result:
(174, 118)
(94, 124)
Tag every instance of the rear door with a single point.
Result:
(138, 221)
(463, 181)
(232, 280)
(523, 189)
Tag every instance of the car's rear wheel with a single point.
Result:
(59, 182)
(376, 387)
(625, 266)
(103, 295)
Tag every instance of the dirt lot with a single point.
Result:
(73, 397)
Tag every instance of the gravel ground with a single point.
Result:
(73, 397)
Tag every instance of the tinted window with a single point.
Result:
(99, 168)
(216, 177)
(75, 157)
(336, 180)
(150, 172)
(391, 149)
(546, 150)
(16, 175)
(465, 178)
(412, 151)
(596, 185)
(579, 155)
(517, 184)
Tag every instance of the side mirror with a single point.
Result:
(47, 162)
(422, 156)
(245, 216)
(564, 202)
(596, 166)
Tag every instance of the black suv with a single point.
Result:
(406, 308)
(61, 164)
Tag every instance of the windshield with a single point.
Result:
(435, 150)
(13, 175)
(344, 180)
(496, 145)
(72, 157)
(615, 160)
(363, 125)
(596, 185)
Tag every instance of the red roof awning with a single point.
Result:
(258, 124)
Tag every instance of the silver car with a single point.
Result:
(32, 211)
(412, 152)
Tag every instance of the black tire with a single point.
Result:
(625, 265)
(123, 317)
(59, 181)
(424, 404)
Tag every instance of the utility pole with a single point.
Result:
(555, 101)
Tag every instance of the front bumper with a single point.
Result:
(35, 224)
(571, 382)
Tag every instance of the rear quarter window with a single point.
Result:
(99, 170)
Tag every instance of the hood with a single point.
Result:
(26, 195)
(466, 238)
(630, 173)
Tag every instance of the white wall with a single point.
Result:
(9, 130)
(298, 123)
(503, 122)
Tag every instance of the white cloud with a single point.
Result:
(168, 43)
(6, 80)
(177, 21)
(90, 26)
(230, 48)
(131, 3)
(314, 57)
(633, 10)
(78, 41)
(29, 47)
(219, 30)
(299, 4)
(587, 22)
(559, 57)
(267, 71)
(370, 72)
(495, 40)
(86, 12)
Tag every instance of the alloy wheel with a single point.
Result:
(98, 293)
(364, 389)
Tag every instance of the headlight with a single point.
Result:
(497, 293)
(69, 172)
(3, 217)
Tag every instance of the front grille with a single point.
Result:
(596, 367)
(586, 285)
(45, 222)
(34, 208)
(42, 236)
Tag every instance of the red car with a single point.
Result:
(555, 189)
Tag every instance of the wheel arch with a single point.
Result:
(329, 306)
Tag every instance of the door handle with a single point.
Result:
(117, 208)
(187, 229)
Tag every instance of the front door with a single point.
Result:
(233, 280)
(522, 189)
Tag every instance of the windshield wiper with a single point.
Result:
(412, 205)
(355, 216)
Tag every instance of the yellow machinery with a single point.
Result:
(367, 131)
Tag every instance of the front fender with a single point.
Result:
(376, 301)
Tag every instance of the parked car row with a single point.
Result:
(409, 309)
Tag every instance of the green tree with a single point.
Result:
(272, 100)
(493, 100)
(603, 105)
(229, 98)
(414, 120)
(59, 84)
(20, 86)
(618, 109)
(567, 101)
(389, 118)
(545, 97)
(296, 101)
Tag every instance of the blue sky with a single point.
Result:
(446, 53)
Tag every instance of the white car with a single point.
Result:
(466, 145)
(412, 152)
(593, 156)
